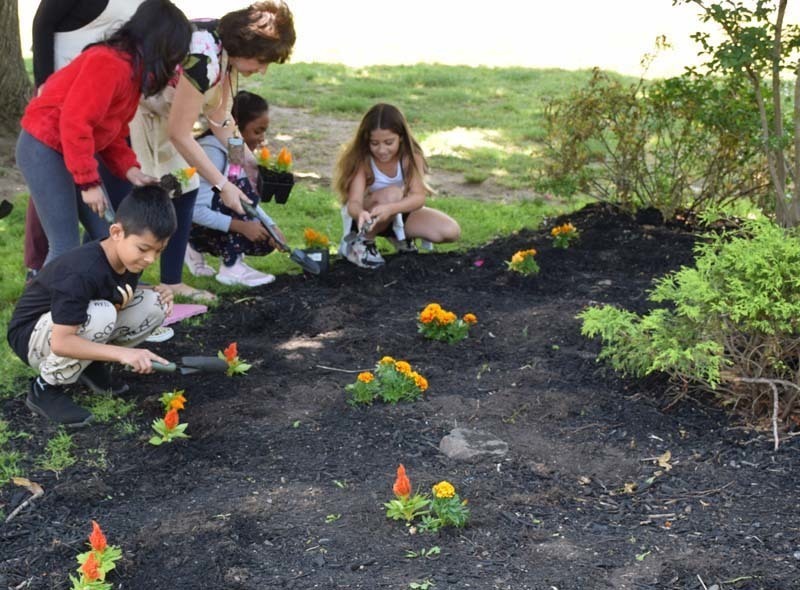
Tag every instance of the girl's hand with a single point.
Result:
(280, 235)
(252, 230)
(232, 197)
(138, 178)
(95, 199)
(364, 217)
(165, 296)
(382, 213)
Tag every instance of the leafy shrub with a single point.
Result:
(734, 316)
(682, 144)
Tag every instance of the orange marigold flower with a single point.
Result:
(91, 568)
(97, 539)
(171, 419)
(470, 318)
(178, 402)
(231, 352)
(420, 382)
(402, 485)
(284, 157)
(403, 367)
(366, 377)
(387, 360)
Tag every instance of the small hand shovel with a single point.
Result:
(353, 236)
(297, 256)
(193, 364)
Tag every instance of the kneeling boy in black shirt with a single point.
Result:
(83, 309)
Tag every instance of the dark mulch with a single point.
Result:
(243, 504)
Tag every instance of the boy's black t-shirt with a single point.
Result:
(65, 287)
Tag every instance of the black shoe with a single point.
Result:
(98, 377)
(52, 402)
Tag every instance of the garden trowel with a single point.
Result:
(297, 256)
(193, 364)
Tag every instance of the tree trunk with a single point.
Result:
(15, 86)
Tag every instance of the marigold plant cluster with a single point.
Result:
(95, 564)
(281, 163)
(437, 323)
(169, 427)
(563, 235)
(184, 175)
(315, 239)
(524, 262)
(392, 381)
(444, 508)
(236, 366)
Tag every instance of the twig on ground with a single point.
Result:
(773, 383)
(36, 494)
(341, 370)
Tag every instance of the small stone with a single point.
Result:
(464, 444)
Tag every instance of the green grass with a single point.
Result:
(478, 120)
(482, 122)
(57, 453)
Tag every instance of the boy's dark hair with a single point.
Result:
(147, 208)
(157, 37)
(247, 107)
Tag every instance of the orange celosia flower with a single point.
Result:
(177, 402)
(470, 318)
(91, 568)
(190, 171)
(264, 155)
(171, 419)
(231, 352)
(285, 157)
(366, 377)
(402, 485)
(97, 539)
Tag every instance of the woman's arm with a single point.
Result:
(186, 107)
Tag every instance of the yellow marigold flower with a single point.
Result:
(444, 489)
(420, 381)
(366, 377)
(433, 307)
(403, 367)
(387, 360)
(470, 318)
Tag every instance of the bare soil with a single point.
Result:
(282, 482)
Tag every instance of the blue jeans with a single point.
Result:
(57, 200)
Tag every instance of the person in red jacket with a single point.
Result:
(83, 111)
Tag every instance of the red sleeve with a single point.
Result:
(101, 81)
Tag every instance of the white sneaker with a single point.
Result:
(196, 263)
(241, 274)
(362, 253)
(161, 334)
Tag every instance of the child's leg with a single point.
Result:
(432, 225)
(59, 370)
(138, 319)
